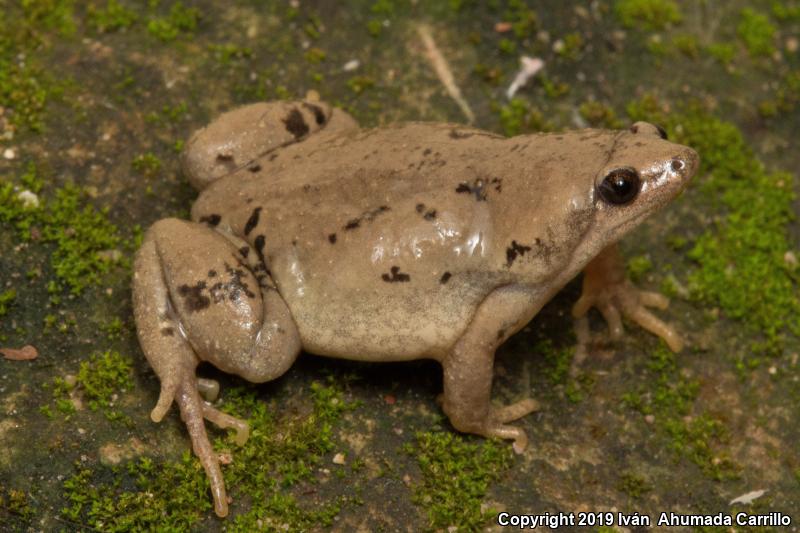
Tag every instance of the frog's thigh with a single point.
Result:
(227, 318)
(468, 369)
(237, 138)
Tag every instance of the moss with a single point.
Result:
(519, 116)
(740, 261)
(633, 484)
(687, 45)
(507, 46)
(113, 17)
(226, 53)
(147, 164)
(670, 397)
(523, 19)
(553, 88)
(722, 52)
(6, 301)
(99, 381)
(315, 56)
(359, 84)
(571, 46)
(599, 115)
(648, 14)
(25, 90)
(15, 508)
(638, 267)
(82, 236)
(456, 473)
(756, 32)
(181, 19)
(173, 495)
(103, 376)
(786, 11)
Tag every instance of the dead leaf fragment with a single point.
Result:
(26, 353)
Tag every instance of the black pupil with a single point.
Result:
(620, 186)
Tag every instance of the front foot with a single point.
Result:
(606, 287)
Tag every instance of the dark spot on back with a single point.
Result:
(445, 278)
(252, 222)
(515, 250)
(244, 250)
(254, 167)
(353, 224)
(259, 244)
(193, 297)
(430, 215)
(478, 188)
(427, 151)
(395, 276)
(500, 333)
(211, 220)
(319, 115)
(332, 238)
(167, 332)
(420, 208)
(295, 123)
(212, 273)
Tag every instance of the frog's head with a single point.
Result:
(643, 173)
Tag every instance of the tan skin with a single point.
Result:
(413, 241)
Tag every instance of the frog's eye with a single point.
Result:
(620, 186)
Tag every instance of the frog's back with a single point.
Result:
(393, 228)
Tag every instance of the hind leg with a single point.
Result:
(237, 138)
(196, 300)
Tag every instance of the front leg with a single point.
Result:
(606, 287)
(468, 368)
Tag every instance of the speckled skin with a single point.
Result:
(412, 241)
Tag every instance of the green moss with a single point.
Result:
(113, 17)
(648, 14)
(359, 84)
(15, 507)
(740, 261)
(638, 267)
(599, 115)
(507, 46)
(633, 484)
(315, 56)
(82, 236)
(226, 53)
(523, 19)
(722, 52)
(687, 45)
(103, 376)
(571, 46)
(756, 32)
(25, 90)
(456, 473)
(6, 301)
(669, 397)
(181, 19)
(519, 116)
(147, 164)
(783, 10)
(173, 495)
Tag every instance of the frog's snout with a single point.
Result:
(686, 163)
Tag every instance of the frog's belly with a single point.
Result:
(367, 326)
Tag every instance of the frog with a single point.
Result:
(409, 241)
